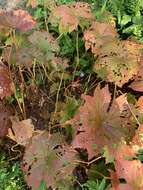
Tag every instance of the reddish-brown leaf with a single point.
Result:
(18, 19)
(140, 103)
(99, 126)
(127, 168)
(137, 141)
(118, 61)
(122, 186)
(68, 17)
(67, 21)
(45, 160)
(116, 185)
(137, 86)
(114, 179)
(21, 131)
(97, 35)
(116, 69)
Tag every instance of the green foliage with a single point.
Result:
(140, 155)
(69, 109)
(67, 46)
(133, 7)
(128, 14)
(11, 177)
(95, 185)
(60, 2)
(42, 186)
(96, 169)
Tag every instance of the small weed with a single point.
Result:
(11, 177)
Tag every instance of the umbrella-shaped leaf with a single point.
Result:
(99, 127)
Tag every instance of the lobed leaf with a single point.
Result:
(21, 131)
(45, 159)
(97, 35)
(117, 61)
(98, 126)
(18, 19)
(68, 17)
(127, 168)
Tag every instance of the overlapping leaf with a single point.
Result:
(68, 17)
(116, 69)
(18, 19)
(116, 185)
(118, 61)
(128, 168)
(40, 46)
(100, 127)
(44, 41)
(21, 131)
(137, 85)
(44, 160)
(97, 35)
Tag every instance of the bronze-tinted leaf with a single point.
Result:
(45, 160)
(97, 35)
(140, 103)
(18, 19)
(68, 17)
(116, 185)
(21, 131)
(44, 41)
(100, 127)
(40, 46)
(127, 168)
(137, 86)
(118, 61)
(116, 68)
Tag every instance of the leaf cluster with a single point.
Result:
(48, 57)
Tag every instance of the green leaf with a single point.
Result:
(125, 19)
(102, 185)
(92, 185)
(131, 98)
(140, 155)
(95, 169)
(69, 109)
(42, 186)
